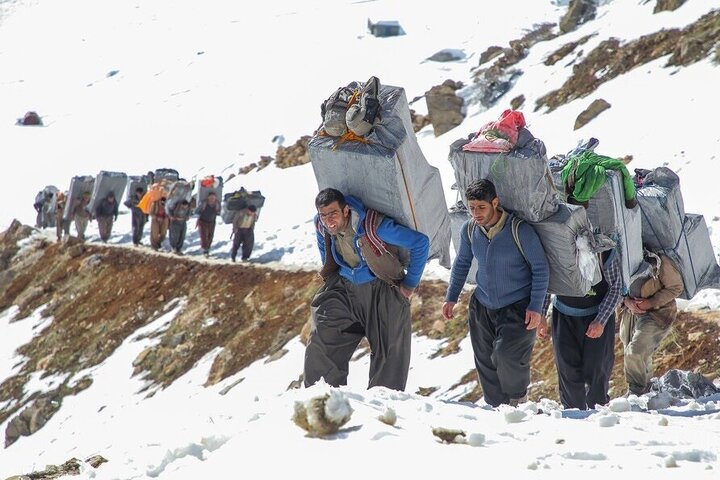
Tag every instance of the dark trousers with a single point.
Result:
(207, 232)
(105, 227)
(138, 224)
(177, 234)
(343, 313)
(584, 364)
(502, 346)
(246, 238)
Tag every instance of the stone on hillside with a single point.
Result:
(489, 54)
(293, 155)
(593, 110)
(96, 460)
(445, 108)
(449, 435)
(517, 102)
(323, 415)
(30, 420)
(668, 5)
(419, 121)
(447, 55)
(579, 12)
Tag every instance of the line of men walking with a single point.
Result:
(367, 288)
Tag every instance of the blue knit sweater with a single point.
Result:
(503, 276)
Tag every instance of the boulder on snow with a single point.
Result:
(579, 12)
(593, 110)
(683, 384)
(668, 5)
(323, 415)
(445, 107)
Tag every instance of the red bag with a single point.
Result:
(500, 136)
(208, 182)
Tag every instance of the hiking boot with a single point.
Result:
(514, 402)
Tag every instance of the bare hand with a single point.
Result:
(595, 329)
(447, 310)
(407, 292)
(532, 319)
(542, 329)
(642, 305)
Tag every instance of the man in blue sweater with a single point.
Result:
(366, 292)
(506, 306)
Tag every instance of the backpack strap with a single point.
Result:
(514, 228)
(373, 219)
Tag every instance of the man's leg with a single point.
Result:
(386, 314)
(512, 349)
(248, 242)
(598, 361)
(568, 334)
(482, 338)
(645, 339)
(335, 334)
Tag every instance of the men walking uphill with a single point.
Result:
(178, 216)
(366, 292)
(138, 216)
(583, 336)
(106, 212)
(506, 306)
(81, 215)
(646, 317)
(244, 232)
(158, 223)
(207, 212)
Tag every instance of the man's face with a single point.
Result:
(334, 218)
(211, 199)
(481, 211)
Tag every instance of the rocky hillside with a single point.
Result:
(99, 295)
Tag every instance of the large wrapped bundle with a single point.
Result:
(388, 172)
(693, 254)
(663, 210)
(209, 184)
(78, 186)
(135, 182)
(521, 177)
(105, 184)
(459, 215)
(238, 200)
(168, 174)
(608, 215)
(569, 245)
(180, 190)
(154, 193)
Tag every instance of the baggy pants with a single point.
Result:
(61, 226)
(584, 364)
(502, 347)
(641, 336)
(178, 229)
(246, 238)
(158, 231)
(81, 224)
(343, 313)
(207, 232)
(138, 225)
(105, 227)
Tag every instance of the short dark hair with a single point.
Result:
(252, 208)
(482, 190)
(574, 201)
(328, 196)
(184, 202)
(139, 190)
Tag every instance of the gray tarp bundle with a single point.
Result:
(48, 208)
(203, 192)
(608, 214)
(522, 179)
(458, 216)
(569, 246)
(134, 182)
(179, 191)
(169, 174)
(389, 174)
(684, 238)
(106, 183)
(78, 186)
(236, 201)
(663, 209)
(694, 255)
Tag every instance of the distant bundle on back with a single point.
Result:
(209, 184)
(385, 168)
(180, 190)
(105, 184)
(238, 200)
(154, 193)
(169, 174)
(517, 166)
(684, 238)
(78, 186)
(459, 215)
(135, 182)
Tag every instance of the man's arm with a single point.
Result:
(672, 286)
(613, 297)
(535, 255)
(417, 243)
(461, 266)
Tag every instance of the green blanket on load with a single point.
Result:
(585, 175)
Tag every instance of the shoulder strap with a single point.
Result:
(515, 227)
(372, 221)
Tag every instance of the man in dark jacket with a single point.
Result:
(178, 215)
(138, 216)
(583, 336)
(366, 292)
(506, 306)
(106, 212)
(207, 212)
